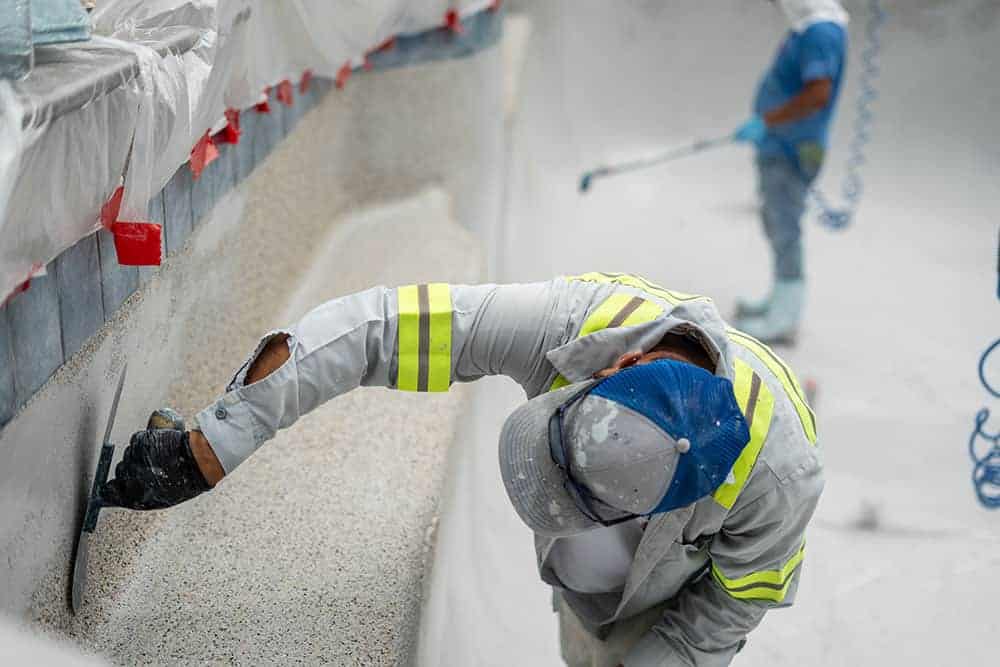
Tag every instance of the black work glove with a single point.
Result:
(158, 470)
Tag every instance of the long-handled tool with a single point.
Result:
(667, 156)
(94, 504)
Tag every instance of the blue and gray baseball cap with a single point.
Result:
(649, 439)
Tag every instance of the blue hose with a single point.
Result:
(986, 466)
(853, 185)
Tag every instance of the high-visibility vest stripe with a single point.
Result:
(424, 337)
(784, 374)
(769, 585)
(670, 296)
(618, 310)
(757, 404)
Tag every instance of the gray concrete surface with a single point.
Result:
(186, 330)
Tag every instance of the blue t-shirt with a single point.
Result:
(819, 52)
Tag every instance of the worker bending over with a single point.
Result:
(792, 114)
(667, 463)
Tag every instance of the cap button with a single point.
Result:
(683, 445)
(220, 413)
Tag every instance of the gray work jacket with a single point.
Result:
(721, 562)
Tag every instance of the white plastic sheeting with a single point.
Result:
(137, 125)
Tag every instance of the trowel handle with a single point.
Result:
(95, 503)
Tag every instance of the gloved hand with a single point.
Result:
(753, 131)
(158, 470)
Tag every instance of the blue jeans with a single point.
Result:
(784, 187)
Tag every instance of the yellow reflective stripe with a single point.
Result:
(646, 312)
(670, 296)
(424, 337)
(784, 374)
(408, 338)
(769, 585)
(757, 404)
(559, 383)
(618, 310)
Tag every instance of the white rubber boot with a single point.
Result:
(780, 323)
(752, 307)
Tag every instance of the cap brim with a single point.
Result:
(534, 483)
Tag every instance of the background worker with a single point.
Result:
(792, 113)
(667, 464)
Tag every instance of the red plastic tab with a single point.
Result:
(304, 84)
(20, 289)
(202, 155)
(495, 5)
(138, 243)
(111, 208)
(230, 134)
(265, 106)
(387, 45)
(453, 22)
(343, 75)
(285, 93)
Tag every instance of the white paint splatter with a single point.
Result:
(599, 431)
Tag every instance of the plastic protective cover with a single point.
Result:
(127, 107)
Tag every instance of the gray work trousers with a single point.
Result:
(581, 649)
(784, 190)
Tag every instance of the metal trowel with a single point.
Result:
(94, 504)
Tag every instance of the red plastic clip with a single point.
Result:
(495, 5)
(111, 208)
(138, 243)
(202, 155)
(306, 80)
(265, 106)
(343, 74)
(230, 134)
(285, 93)
(387, 45)
(453, 22)
(20, 289)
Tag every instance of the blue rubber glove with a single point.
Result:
(753, 131)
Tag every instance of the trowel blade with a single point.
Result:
(80, 570)
(94, 505)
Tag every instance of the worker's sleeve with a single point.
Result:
(755, 565)
(416, 337)
(822, 52)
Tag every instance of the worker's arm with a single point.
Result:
(414, 338)
(417, 338)
(814, 97)
(756, 562)
(821, 60)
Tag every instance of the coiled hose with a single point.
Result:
(986, 462)
(864, 118)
